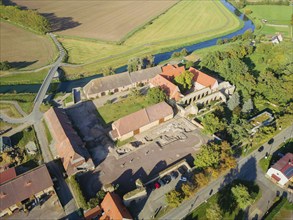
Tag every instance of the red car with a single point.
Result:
(157, 185)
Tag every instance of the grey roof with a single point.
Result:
(145, 74)
(107, 83)
(119, 80)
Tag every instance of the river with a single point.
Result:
(69, 85)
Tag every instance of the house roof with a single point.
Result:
(113, 208)
(24, 186)
(202, 78)
(120, 80)
(7, 175)
(93, 213)
(171, 89)
(142, 117)
(107, 83)
(69, 146)
(285, 165)
(171, 71)
(144, 74)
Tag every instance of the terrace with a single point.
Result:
(263, 119)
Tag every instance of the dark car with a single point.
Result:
(261, 149)
(166, 179)
(182, 169)
(174, 174)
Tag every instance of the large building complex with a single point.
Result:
(70, 148)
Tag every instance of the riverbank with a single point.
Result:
(165, 49)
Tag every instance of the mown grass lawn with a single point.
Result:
(9, 110)
(112, 112)
(25, 100)
(285, 212)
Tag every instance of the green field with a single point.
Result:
(25, 100)
(278, 18)
(114, 111)
(185, 23)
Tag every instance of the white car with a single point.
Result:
(183, 179)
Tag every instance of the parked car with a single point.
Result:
(157, 185)
(261, 149)
(160, 181)
(166, 179)
(183, 179)
(183, 169)
(174, 174)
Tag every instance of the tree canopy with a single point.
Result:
(184, 80)
(156, 95)
(242, 196)
(27, 18)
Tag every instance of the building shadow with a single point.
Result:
(90, 183)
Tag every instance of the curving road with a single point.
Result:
(247, 170)
(36, 115)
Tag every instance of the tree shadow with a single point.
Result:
(60, 23)
(22, 64)
(246, 175)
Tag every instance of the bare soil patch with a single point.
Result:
(105, 20)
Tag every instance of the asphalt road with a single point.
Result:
(36, 115)
(247, 169)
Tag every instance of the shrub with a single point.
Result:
(79, 197)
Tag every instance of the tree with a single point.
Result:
(134, 64)
(247, 106)
(184, 80)
(242, 196)
(134, 92)
(187, 189)
(212, 124)
(209, 156)
(184, 52)
(93, 202)
(101, 194)
(201, 179)
(220, 41)
(156, 95)
(4, 65)
(214, 212)
(108, 71)
(189, 64)
(234, 101)
(148, 61)
(239, 130)
(174, 198)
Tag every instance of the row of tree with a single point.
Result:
(136, 63)
(5, 65)
(213, 160)
(27, 18)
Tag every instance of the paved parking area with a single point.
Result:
(51, 209)
(142, 163)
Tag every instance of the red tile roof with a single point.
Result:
(141, 118)
(113, 208)
(171, 71)
(170, 89)
(68, 144)
(285, 165)
(93, 213)
(7, 175)
(202, 78)
(24, 186)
